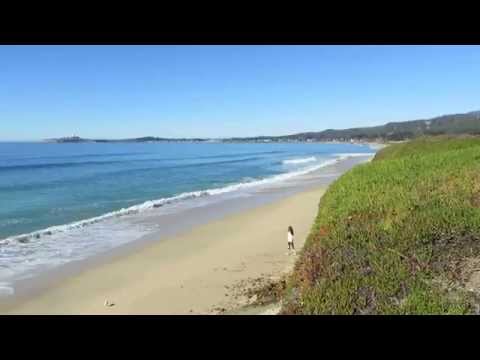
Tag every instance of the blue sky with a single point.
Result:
(217, 91)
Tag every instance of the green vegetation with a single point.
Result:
(426, 145)
(393, 236)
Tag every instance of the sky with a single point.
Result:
(223, 91)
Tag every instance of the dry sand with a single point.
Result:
(190, 273)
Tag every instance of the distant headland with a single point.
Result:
(455, 124)
(77, 139)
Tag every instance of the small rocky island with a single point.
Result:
(71, 139)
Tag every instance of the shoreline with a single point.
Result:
(188, 273)
(201, 262)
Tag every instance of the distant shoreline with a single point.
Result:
(453, 124)
(369, 143)
(217, 141)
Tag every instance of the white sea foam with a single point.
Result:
(299, 161)
(348, 155)
(375, 146)
(6, 289)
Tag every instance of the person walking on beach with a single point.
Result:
(290, 238)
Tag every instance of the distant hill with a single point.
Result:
(468, 123)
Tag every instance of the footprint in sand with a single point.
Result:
(107, 303)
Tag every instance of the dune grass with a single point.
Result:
(392, 235)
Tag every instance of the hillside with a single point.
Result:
(468, 123)
(398, 235)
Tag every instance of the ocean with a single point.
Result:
(65, 202)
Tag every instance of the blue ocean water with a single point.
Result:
(48, 188)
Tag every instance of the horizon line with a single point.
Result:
(232, 137)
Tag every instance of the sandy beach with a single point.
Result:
(190, 273)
